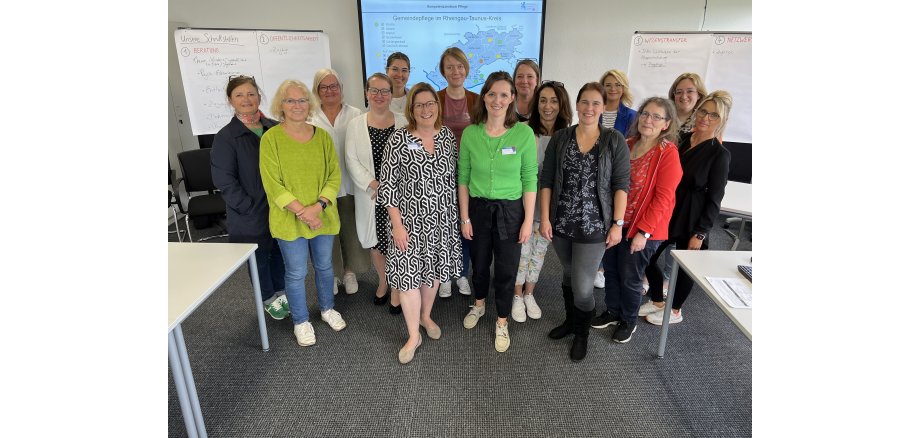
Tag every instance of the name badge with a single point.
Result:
(414, 146)
(511, 150)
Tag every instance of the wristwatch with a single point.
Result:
(700, 236)
(322, 203)
(619, 223)
(647, 235)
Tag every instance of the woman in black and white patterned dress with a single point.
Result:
(365, 139)
(418, 186)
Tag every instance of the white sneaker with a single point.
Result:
(351, 283)
(304, 334)
(464, 286)
(648, 308)
(334, 319)
(517, 309)
(502, 339)
(599, 280)
(444, 291)
(335, 285)
(476, 312)
(533, 310)
(657, 318)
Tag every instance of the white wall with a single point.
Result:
(582, 39)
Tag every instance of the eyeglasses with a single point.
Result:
(612, 86)
(655, 117)
(426, 105)
(293, 102)
(376, 91)
(232, 77)
(396, 69)
(688, 92)
(712, 116)
(553, 83)
(332, 88)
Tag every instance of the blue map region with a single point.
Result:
(482, 49)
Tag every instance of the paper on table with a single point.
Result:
(734, 291)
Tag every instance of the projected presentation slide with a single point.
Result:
(494, 34)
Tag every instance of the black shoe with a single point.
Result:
(395, 310)
(562, 330)
(624, 332)
(604, 319)
(378, 301)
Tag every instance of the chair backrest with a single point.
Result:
(196, 170)
(740, 169)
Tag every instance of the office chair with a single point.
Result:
(202, 209)
(739, 170)
(173, 203)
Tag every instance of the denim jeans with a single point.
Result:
(623, 278)
(297, 254)
(270, 265)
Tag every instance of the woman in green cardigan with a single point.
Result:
(497, 177)
(300, 172)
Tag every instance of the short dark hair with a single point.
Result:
(592, 86)
(480, 114)
(236, 81)
(398, 55)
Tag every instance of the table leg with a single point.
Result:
(179, 378)
(740, 233)
(189, 381)
(675, 268)
(257, 288)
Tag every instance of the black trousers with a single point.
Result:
(496, 225)
(681, 285)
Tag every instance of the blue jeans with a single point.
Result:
(297, 254)
(270, 265)
(623, 278)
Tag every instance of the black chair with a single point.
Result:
(175, 202)
(202, 209)
(739, 170)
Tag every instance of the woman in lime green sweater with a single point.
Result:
(497, 177)
(301, 176)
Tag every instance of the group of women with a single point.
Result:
(434, 186)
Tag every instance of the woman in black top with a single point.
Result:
(235, 171)
(699, 195)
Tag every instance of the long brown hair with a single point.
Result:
(563, 119)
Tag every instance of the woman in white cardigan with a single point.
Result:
(365, 139)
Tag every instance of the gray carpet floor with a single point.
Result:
(350, 383)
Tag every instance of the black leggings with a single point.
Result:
(681, 285)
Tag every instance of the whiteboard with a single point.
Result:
(208, 57)
(723, 60)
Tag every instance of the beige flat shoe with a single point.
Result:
(406, 356)
(434, 332)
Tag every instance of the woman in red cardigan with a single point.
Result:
(654, 174)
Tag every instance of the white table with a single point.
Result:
(702, 264)
(737, 202)
(195, 271)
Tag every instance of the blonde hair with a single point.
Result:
(697, 83)
(723, 101)
(321, 74)
(627, 98)
(276, 108)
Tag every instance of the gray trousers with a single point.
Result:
(579, 266)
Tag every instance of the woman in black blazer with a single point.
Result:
(699, 196)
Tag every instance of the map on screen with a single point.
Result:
(494, 34)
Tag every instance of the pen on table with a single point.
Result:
(736, 293)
